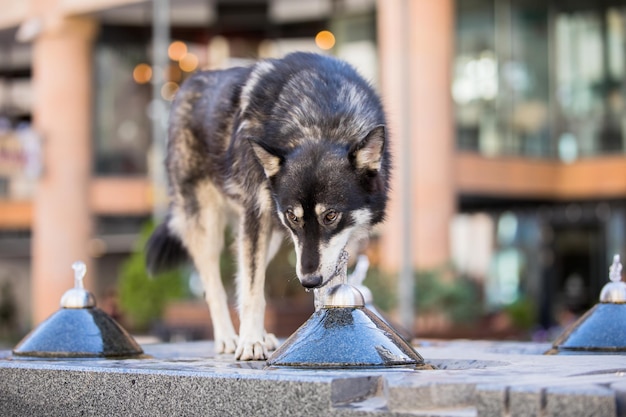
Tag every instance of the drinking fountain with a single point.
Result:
(602, 329)
(78, 329)
(344, 333)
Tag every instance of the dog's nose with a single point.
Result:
(311, 281)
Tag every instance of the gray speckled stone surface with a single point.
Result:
(491, 400)
(580, 401)
(473, 378)
(526, 400)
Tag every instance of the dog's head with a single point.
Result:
(327, 194)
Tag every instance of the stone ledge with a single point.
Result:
(473, 378)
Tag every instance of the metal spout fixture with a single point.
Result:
(78, 330)
(615, 290)
(344, 295)
(602, 329)
(78, 297)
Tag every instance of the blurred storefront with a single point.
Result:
(539, 91)
(514, 109)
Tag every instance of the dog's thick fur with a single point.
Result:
(293, 145)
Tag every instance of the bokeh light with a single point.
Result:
(325, 40)
(177, 50)
(189, 62)
(142, 73)
(168, 91)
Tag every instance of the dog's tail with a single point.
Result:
(164, 251)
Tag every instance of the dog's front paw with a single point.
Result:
(251, 350)
(270, 341)
(226, 344)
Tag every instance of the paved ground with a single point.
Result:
(472, 378)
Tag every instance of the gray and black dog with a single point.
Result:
(294, 145)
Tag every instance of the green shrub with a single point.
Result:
(522, 313)
(143, 298)
(383, 288)
(455, 296)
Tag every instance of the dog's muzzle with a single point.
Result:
(311, 281)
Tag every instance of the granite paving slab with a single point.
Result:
(461, 379)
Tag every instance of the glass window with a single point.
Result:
(122, 130)
(501, 77)
(475, 84)
(540, 79)
(589, 77)
(525, 81)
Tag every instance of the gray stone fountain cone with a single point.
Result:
(602, 329)
(343, 333)
(78, 330)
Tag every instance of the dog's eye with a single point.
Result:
(292, 217)
(330, 217)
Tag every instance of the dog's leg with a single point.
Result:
(203, 235)
(253, 248)
(276, 240)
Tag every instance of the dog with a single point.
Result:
(294, 146)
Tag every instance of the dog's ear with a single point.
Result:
(368, 153)
(270, 159)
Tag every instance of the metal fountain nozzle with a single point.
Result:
(341, 290)
(78, 297)
(344, 295)
(615, 290)
(340, 277)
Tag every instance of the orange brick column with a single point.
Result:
(416, 51)
(62, 226)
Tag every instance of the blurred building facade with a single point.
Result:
(508, 119)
